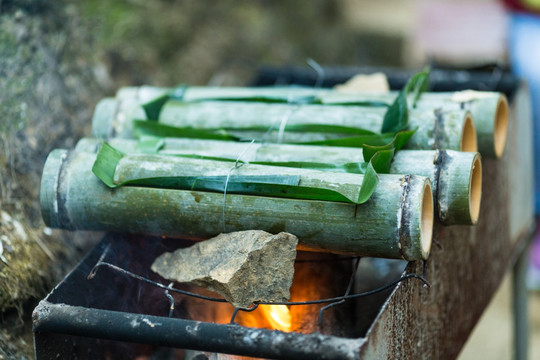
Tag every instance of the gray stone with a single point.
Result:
(243, 267)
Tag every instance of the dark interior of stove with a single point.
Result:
(317, 276)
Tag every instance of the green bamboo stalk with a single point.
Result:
(396, 222)
(489, 109)
(221, 176)
(456, 177)
(490, 113)
(452, 130)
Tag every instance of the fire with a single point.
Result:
(279, 316)
(314, 279)
(273, 317)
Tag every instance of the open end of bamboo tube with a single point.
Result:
(49, 188)
(426, 225)
(475, 189)
(468, 136)
(500, 128)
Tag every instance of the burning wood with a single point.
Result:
(273, 317)
(243, 267)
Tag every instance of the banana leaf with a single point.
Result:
(385, 141)
(378, 148)
(397, 115)
(395, 119)
(143, 128)
(369, 149)
(108, 161)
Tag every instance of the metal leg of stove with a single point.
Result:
(520, 306)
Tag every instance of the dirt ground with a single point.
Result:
(492, 337)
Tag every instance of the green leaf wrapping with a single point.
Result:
(144, 128)
(289, 186)
(418, 84)
(155, 129)
(364, 103)
(352, 167)
(381, 161)
(152, 108)
(105, 165)
(378, 149)
(369, 184)
(398, 142)
(397, 115)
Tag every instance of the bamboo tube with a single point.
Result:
(452, 130)
(456, 177)
(396, 222)
(489, 109)
(490, 113)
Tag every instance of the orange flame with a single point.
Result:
(273, 317)
(312, 280)
(279, 316)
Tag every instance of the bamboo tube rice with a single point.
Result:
(452, 130)
(456, 177)
(457, 180)
(396, 222)
(489, 109)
